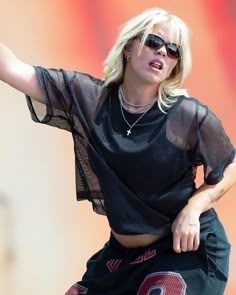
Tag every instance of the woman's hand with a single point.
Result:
(186, 230)
(186, 226)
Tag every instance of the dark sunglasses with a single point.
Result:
(155, 42)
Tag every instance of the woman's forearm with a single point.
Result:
(186, 226)
(206, 195)
(7, 60)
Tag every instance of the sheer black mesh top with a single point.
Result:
(142, 180)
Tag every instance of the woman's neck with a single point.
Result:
(139, 94)
(140, 102)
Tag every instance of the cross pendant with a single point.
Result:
(129, 132)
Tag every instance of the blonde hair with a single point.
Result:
(114, 64)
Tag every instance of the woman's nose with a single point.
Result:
(161, 51)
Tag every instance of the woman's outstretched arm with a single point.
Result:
(19, 75)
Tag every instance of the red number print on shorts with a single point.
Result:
(77, 290)
(169, 283)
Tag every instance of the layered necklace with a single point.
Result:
(141, 108)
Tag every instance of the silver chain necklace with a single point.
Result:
(121, 95)
(132, 125)
(140, 110)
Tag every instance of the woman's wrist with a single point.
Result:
(200, 202)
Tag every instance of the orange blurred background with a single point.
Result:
(47, 236)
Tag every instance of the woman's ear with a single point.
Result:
(127, 47)
(126, 52)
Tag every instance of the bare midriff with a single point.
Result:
(134, 241)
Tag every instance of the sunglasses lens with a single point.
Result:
(155, 42)
(173, 50)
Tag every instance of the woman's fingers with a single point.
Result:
(186, 239)
(176, 242)
(196, 241)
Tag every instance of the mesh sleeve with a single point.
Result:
(69, 96)
(214, 149)
(72, 102)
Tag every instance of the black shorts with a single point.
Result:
(157, 269)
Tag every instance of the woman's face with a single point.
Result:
(151, 66)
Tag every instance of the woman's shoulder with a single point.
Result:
(89, 78)
(69, 77)
(186, 102)
(191, 106)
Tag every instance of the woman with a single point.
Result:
(138, 141)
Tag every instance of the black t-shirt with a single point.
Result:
(140, 181)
